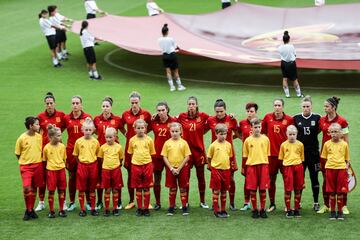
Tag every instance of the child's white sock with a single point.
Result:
(55, 61)
(286, 91)
(96, 74)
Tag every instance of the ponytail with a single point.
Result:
(165, 29)
(42, 12)
(286, 37)
(84, 25)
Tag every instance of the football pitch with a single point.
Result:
(27, 75)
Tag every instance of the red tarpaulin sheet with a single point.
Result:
(325, 37)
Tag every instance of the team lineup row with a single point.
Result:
(145, 163)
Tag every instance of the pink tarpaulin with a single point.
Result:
(325, 37)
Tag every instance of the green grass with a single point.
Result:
(27, 74)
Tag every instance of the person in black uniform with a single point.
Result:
(307, 124)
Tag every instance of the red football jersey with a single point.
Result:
(161, 133)
(228, 121)
(324, 125)
(128, 119)
(102, 123)
(275, 129)
(194, 129)
(45, 119)
(73, 127)
(245, 129)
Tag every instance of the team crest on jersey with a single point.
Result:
(227, 124)
(251, 146)
(312, 123)
(58, 119)
(112, 122)
(286, 150)
(82, 121)
(141, 116)
(300, 123)
(46, 121)
(198, 119)
(284, 122)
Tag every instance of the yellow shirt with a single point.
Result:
(111, 155)
(55, 156)
(291, 153)
(220, 154)
(29, 148)
(175, 151)
(335, 154)
(256, 150)
(141, 150)
(86, 150)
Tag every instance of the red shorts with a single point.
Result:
(158, 164)
(56, 179)
(243, 166)
(197, 159)
(181, 180)
(32, 175)
(71, 163)
(257, 176)
(86, 176)
(142, 176)
(275, 165)
(220, 179)
(336, 181)
(294, 177)
(112, 178)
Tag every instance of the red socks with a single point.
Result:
(253, 200)
(262, 199)
(107, 200)
(223, 200)
(82, 200)
(92, 200)
(183, 196)
(139, 198)
(332, 203)
(146, 198)
(325, 194)
(61, 196)
(246, 194)
(287, 198)
(115, 199)
(340, 201)
(42, 193)
(27, 198)
(215, 198)
(172, 197)
(51, 201)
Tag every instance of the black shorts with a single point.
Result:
(51, 39)
(312, 161)
(225, 5)
(289, 70)
(90, 15)
(60, 36)
(90, 55)
(170, 61)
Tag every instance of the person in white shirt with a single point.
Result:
(153, 8)
(88, 42)
(49, 31)
(226, 3)
(288, 65)
(91, 9)
(171, 65)
(59, 20)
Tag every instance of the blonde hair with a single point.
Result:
(88, 123)
(220, 128)
(176, 124)
(291, 128)
(336, 126)
(110, 131)
(255, 121)
(140, 121)
(52, 130)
